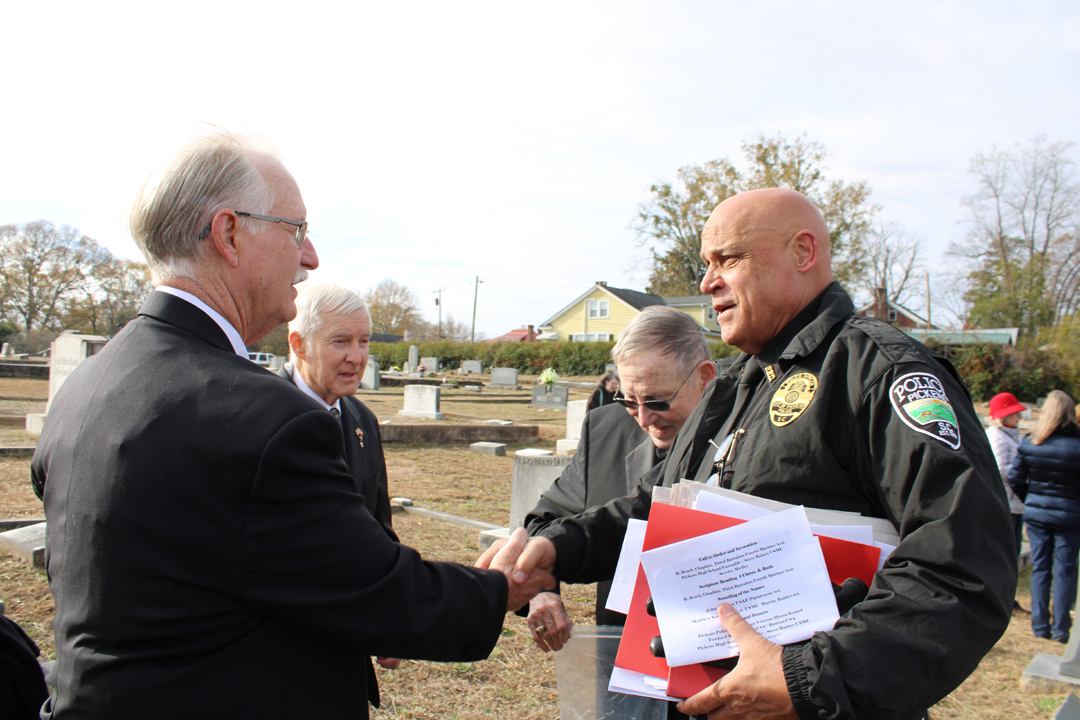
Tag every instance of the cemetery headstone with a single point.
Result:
(422, 401)
(532, 476)
(489, 448)
(431, 364)
(550, 396)
(414, 356)
(610, 367)
(6, 351)
(66, 353)
(372, 376)
(504, 378)
(575, 416)
(471, 367)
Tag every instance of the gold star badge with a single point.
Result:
(360, 436)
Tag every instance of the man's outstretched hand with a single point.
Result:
(755, 689)
(526, 563)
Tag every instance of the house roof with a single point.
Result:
(518, 335)
(636, 300)
(384, 338)
(997, 336)
(898, 308)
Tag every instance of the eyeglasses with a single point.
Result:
(654, 405)
(301, 227)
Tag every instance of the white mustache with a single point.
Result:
(301, 276)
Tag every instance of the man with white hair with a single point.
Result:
(207, 549)
(328, 352)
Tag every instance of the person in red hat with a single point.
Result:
(1004, 435)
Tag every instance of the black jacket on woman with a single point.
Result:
(1047, 478)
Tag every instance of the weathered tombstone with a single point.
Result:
(610, 367)
(26, 543)
(489, 448)
(414, 356)
(407, 367)
(1052, 674)
(498, 422)
(67, 352)
(1070, 710)
(372, 377)
(422, 401)
(6, 351)
(471, 367)
(532, 476)
(575, 416)
(431, 364)
(504, 378)
(550, 396)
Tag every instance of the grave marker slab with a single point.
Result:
(66, 353)
(414, 356)
(532, 476)
(431, 364)
(489, 448)
(504, 378)
(26, 543)
(550, 396)
(471, 367)
(575, 417)
(422, 401)
(372, 376)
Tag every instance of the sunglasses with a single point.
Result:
(654, 405)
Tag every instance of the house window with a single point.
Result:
(891, 315)
(598, 309)
(590, 337)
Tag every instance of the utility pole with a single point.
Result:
(438, 303)
(476, 292)
(927, 299)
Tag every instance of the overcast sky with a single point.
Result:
(435, 142)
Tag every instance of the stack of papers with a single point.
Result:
(773, 562)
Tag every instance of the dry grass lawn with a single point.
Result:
(517, 681)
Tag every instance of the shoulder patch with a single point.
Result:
(792, 398)
(919, 400)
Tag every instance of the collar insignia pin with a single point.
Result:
(360, 436)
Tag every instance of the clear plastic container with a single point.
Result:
(583, 669)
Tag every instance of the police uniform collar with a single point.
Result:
(778, 347)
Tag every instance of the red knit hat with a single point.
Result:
(1004, 404)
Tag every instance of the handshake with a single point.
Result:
(527, 564)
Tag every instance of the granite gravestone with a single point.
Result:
(504, 378)
(422, 401)
(550, 396)
(471, 367)
(372, 377)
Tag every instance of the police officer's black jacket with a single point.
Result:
(848, 413)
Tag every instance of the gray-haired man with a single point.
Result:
(664, 366)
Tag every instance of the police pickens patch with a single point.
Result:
(792, 398)
(919, 400)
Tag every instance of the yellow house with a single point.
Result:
(602, 312)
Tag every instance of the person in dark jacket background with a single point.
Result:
(1046, 476)
(604, 394)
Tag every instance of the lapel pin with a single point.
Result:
(360, 436)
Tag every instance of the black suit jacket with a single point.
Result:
(207, 550)
(364, 457)
(613, 458)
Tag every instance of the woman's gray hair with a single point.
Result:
(315, 303)
(170, 216)
(1056, 413)
(664, 329)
